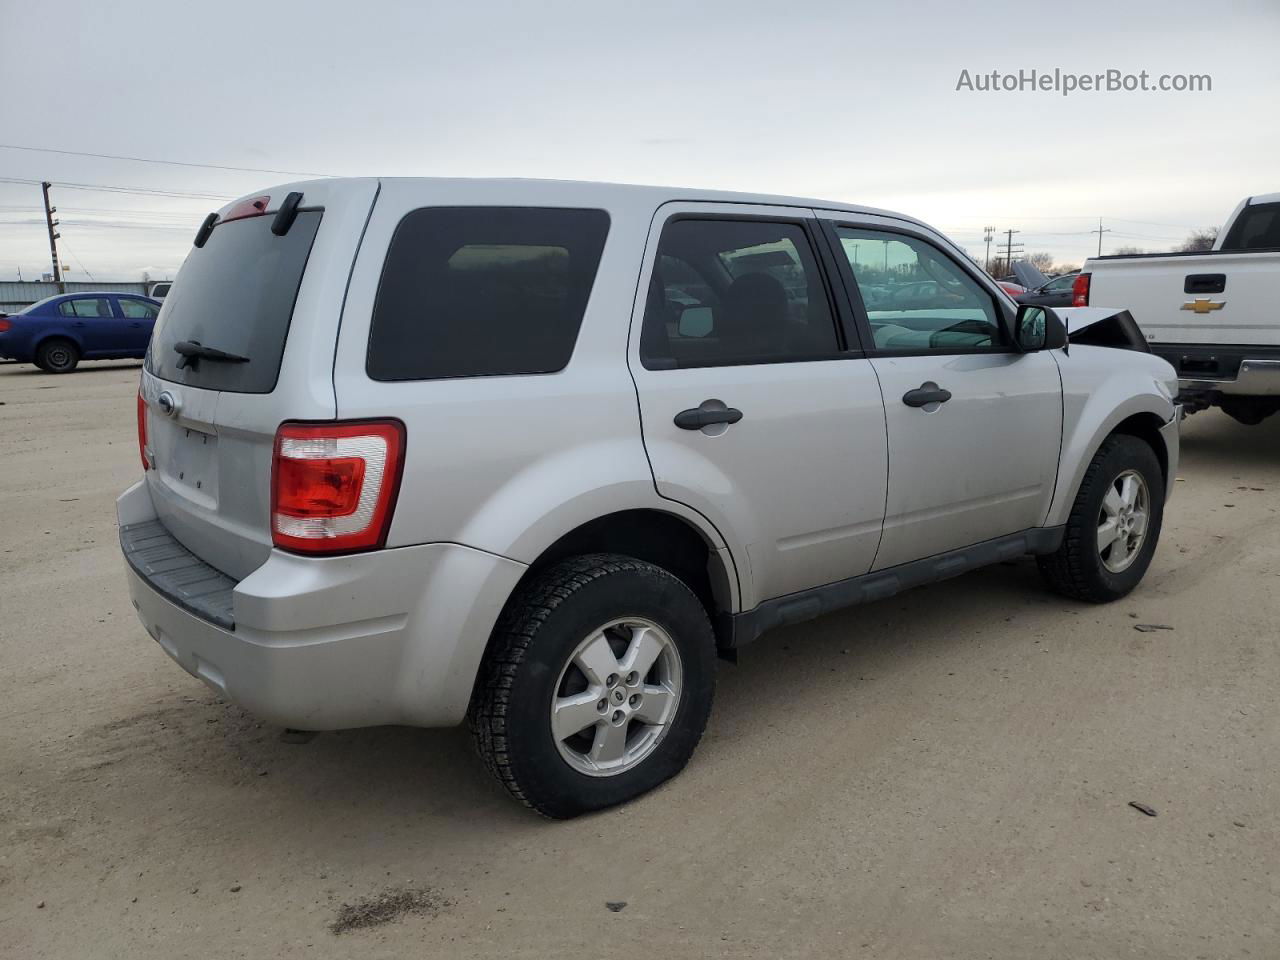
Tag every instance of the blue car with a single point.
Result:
(58, 332)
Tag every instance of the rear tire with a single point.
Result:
(57, 356)
(1108, 543)
(561, 656)
(1250, 411)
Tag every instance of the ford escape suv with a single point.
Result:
(533, 454)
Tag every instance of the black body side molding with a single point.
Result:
(808, 604)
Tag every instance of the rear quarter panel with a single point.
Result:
(37, 328)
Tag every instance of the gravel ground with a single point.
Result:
(943, 774)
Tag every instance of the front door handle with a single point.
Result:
(695, 418)
(925, 394)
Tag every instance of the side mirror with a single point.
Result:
(1038, 328)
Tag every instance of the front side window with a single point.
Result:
(85, 307)
(483, 291)
(1059, 284)
(917, 299)
(735, 292)
(137, 309)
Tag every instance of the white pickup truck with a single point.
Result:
(1215, 315)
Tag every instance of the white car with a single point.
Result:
(536, 452)
(1211, 314)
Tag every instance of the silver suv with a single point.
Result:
(535, 453)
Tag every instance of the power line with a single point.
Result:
(116, 188)
(77, 260)
(104, 224)
(171, 163)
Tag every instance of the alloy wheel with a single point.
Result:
(616, 697)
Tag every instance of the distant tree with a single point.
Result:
(1123, 251)
(1062, 268)
(1199, 240)
(1041, 261)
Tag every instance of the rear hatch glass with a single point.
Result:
(235, 294)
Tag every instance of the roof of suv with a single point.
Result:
(544, 190)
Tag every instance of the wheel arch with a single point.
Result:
(1144, 416)
(661, 537)
(56, 334)
(1146, 426)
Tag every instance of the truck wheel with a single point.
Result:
(1114, 524)
(597, 686)
(57, 356)
(1250, 411)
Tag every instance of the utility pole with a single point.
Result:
(987, 234)
(1100, 232)
(1008, 250)
(49, 211)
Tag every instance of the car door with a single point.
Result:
(974, 426)
(95, 323)
(139, 319)
(1056, 293)
(756, 411)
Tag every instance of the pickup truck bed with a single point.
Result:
(1215, 315)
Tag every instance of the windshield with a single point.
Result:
(234, 294)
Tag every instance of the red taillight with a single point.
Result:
(1080, 290)
(142, 431)
(246, 208)
(6, 325)
(334, 485)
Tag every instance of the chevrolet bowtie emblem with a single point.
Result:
(1203, 305)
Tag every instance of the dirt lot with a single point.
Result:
(943, 774)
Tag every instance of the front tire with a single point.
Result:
(597, 686)
(1114, 524)
(57, 356)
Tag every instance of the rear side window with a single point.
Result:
(85, 307)
(483, 291)
(735, 292)
(1257, 228)
(136, 309)
(234, 294)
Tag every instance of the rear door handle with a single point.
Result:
(695, 418)
(925, 394)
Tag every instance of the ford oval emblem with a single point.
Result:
(168, 404)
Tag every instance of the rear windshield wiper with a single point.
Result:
(193, 351)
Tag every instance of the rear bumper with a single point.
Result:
(1229, 369)
(391, 636)
(1255, 378)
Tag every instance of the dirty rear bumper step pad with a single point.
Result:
(178, 574)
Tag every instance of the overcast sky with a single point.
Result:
(843, 100)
